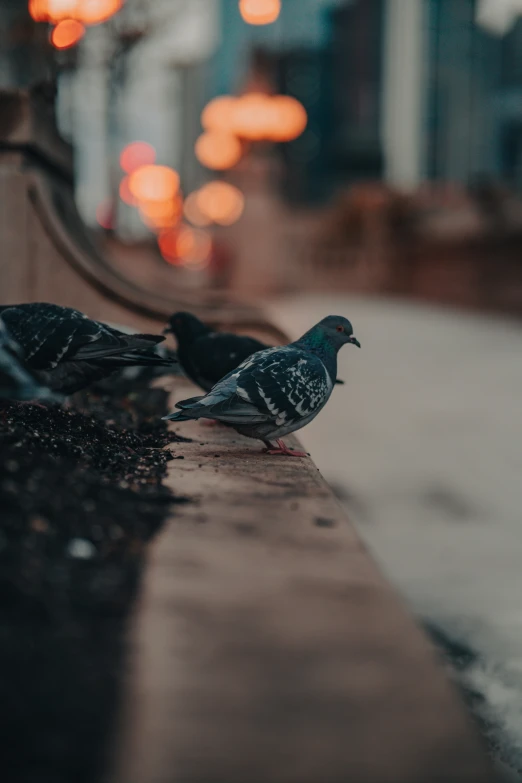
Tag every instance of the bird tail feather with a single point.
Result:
(191, 401)
(185, 414)
(177, 416)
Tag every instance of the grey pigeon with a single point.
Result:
(15, 381)
(67, 351)
(206, 355)
(278, 390)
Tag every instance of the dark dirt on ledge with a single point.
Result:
(80, 491)
(80, 496)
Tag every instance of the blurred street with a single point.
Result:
(422, 445)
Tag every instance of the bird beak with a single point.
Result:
(354, 341)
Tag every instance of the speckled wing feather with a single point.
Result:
(289, 384)
(50, 334)
(279, 384)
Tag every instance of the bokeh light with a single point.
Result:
(260, 11)
(194, 247)
(136, 154)
(161, 214)
(105, 214)
(288, 118)
(186, 247)
(192, 211)
(89, 12)
(167, 243)
(154, 183)
(125, 193)
(218, 114)
(253, 117)
(67, 33)
(62, 9)
(218, 150)
(39, 10)
(97, 11)
(221, 202)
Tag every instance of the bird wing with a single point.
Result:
(50, 334)
(289, 384)
(277, 384)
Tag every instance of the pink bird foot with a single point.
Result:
(284, 451)
(209, 423)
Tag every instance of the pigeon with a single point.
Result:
(277, 390)
(67, 351)
(205, 355)
(16, 383)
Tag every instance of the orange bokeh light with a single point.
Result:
(136, 154)
(67, 33)
(192, 211)
(39, 10)
(218, 114)
(194, 247)
(58, 10)
(186, 247)
(97, 11)
(288, 118)
(218, 150)
(154, 183)
(125, 193)
(88, 12)
(105, 214)
(221, 202)
(161, 214)
(253, 116)
(167, 240)
(260, 11)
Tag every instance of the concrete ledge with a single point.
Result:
(268, 646)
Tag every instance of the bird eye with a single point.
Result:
(339, 328)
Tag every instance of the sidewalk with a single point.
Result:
(424, 447)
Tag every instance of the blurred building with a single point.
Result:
(404, 90)
(453, 91)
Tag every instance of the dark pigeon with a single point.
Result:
(16, 383)
(279, 390)
(206, 355)
(67, 351)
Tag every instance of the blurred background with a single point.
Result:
(360, 157)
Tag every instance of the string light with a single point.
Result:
(260, 12)
(136, 154)
(154, 183)
(192, 211)
(221, 202)
(67, 33)
(125, 193)
(88, 12)
(218, 150)
(218, 114)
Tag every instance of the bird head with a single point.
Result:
(185, 326)
(338, 331)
